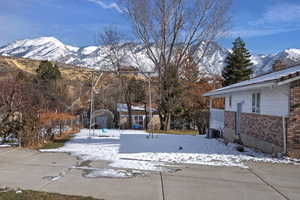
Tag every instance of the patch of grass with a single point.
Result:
(33, 195)
(175, 132)
(59, 141)
(56, 143)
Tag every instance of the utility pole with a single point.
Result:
(92, 118)
(150, 105)
(150, 100)
(92, 104)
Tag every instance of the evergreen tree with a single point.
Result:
(238, 64)
(48, 71)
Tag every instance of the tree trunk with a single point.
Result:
(166, 122)
(161, 120)
(146, 116)
(129, 115)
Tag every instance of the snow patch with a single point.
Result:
(109, 173)
(4, 145)
(88, 50)
(134, 150)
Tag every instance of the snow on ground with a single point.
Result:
(4, 145)
(11, 142)
(131, 149)
(108, 173)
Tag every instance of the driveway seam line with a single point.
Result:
(268, 184)
(162, 186)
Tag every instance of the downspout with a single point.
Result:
(238, 125)
(284, 135)
(284, 129)
(209, 117)
(284, 122)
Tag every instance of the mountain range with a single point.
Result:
(50, 48)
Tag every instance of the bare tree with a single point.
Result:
(116, 51)
(173, 30)
(115, 48)
(18, 106)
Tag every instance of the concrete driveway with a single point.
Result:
(55, 172)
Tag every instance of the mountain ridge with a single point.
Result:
(52, 49)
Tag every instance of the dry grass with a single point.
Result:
(13, 64)
(59, 140)
(34, 195)
(176, 132)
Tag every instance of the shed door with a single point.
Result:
(101, 121)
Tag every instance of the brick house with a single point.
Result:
(263, 112)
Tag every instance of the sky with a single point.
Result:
(267, 26)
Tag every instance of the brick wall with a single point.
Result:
(262, 127)
(293, 137)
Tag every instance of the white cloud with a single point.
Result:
(107, 5)
(258, 31)
(278, 18)
(281, 13)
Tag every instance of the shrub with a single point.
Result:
(240, 148)
(48, 71)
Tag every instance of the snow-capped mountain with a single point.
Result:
(50, 48)
(288, 56)
(47, 48)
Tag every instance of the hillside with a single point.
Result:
(76, 78)
(11, 65)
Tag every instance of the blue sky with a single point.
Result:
(267, 26)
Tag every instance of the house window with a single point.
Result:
(230, 101)
(256, 102)
(138, 119)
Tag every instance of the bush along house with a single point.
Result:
(263, 112)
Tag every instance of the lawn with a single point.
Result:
(33, 195)
(56, 143)
(175, 132)
(59, 141)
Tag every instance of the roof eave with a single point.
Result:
(288, 80)
(237, 89)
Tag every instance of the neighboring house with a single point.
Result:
(138, 115)
(264, 112)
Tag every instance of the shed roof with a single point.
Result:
(122, 107)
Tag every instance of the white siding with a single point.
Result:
(273, 101)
